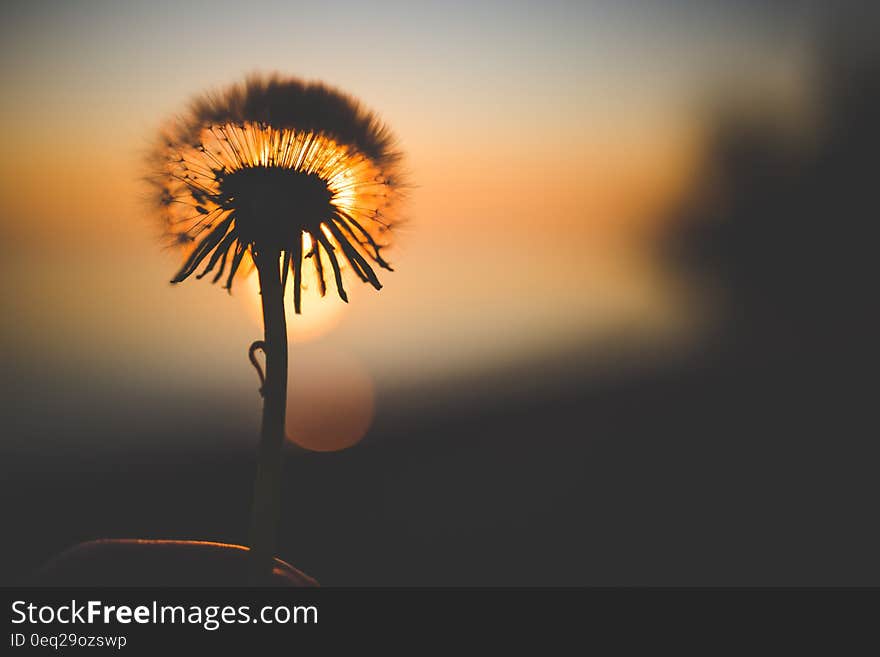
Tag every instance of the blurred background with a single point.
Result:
(629, 336)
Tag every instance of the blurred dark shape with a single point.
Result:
(135, 562)
(772, 423)
(779, 223)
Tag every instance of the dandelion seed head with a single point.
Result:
(282, 167)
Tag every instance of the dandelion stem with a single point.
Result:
(267, 488)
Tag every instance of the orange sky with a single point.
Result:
(542, 146)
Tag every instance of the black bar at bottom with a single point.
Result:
(176, 621)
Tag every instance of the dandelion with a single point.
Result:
(280, 175)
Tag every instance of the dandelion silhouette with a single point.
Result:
(285, 174)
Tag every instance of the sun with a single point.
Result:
(319, 316)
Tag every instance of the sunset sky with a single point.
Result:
(542, 140)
